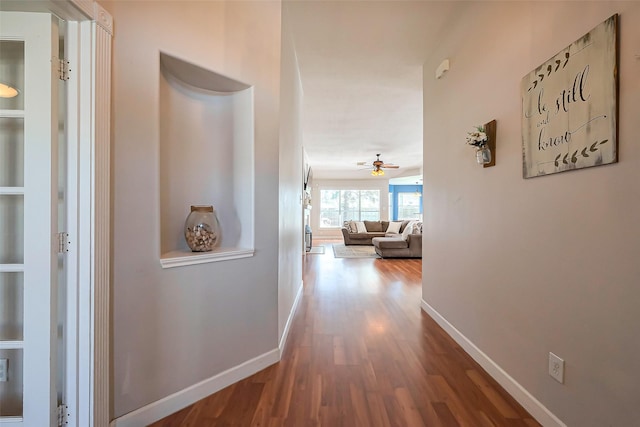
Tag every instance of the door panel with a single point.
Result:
(28, 218)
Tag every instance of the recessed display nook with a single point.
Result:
(206, 158)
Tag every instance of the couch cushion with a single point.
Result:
(404, 224)
(358, 236)
(417, 228)
(408, 229)
(394, 227)
(360, 227)
(390, 242)
(375, 226)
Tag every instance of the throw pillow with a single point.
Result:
(360, 228)
(407, 230)
(394, 227)
(417, 228)
(352, 227)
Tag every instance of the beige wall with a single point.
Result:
(173, 328)
(291, 168)
(525, 267)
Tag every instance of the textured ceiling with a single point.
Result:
(361, 71)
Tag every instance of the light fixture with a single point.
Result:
(377, 171)
(7, 91)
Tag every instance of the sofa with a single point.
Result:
(399, 247)
(407, 244)
(372, 229)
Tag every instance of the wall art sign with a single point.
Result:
(570, 106)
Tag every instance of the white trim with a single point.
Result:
(71, 393)
(173, 403)
(11, 345)
(519, 393)
(86, 6)
(294, 308)
(11, 191)
(101, 226)
(12, 114)
(11, 268)
(93, 240)
(84, 239)
(183, 258)
(103, 19)
(12, 421)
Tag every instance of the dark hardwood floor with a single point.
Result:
(361, 353)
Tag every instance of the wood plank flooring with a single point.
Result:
(361, 353)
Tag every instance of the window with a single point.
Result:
(409, 206)
(337, 206)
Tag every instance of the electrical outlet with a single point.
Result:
(556, 368)
(4, 370)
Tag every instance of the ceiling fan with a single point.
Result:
(378, 166)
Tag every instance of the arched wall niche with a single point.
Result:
(206, 158)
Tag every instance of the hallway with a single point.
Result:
(361, 353)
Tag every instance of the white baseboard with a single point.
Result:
(158, 410)
(519, 393)
(285, 333)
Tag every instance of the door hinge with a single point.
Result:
(63, 242)
(62, 415)
(63, 69)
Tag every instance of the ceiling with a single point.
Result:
(361, 70)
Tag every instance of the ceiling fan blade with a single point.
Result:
(387, 166)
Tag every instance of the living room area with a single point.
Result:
(360, 215)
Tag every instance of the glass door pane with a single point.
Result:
(11, 229)
(11, 306)
(11, 390)
(11, 151)
(12, 73)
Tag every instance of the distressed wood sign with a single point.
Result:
(570, 106)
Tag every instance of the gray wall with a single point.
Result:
(525, 267)
(173, 328)
(291, 169)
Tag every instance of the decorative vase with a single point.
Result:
(202, 229)
(483, 155)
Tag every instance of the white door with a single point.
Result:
(28, 220)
